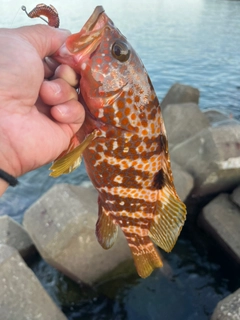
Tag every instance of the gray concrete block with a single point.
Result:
(13, 234)
(235, 196)
(228, 308)
(221, 218)
(212, 157)
(183, 121)
(22, 296)
(180, 93)
(215, 116)
(62, 226)
(183, 181)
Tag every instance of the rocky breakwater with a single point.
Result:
(22, 295)
(205, 156)
(62, 226)
(207, 146)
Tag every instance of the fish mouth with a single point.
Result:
(87, 40)
(91, 22)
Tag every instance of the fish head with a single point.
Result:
(111, 73)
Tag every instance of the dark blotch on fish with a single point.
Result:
(159, 180)
(163, 143)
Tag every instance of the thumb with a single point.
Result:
(46, 40)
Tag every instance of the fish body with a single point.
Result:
(123, 142)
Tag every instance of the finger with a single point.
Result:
(43, 107)
(56, 92)
(45, 39)
(68, 74)
(48, 72)
(71, 112)
(50, 65)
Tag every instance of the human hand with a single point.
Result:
(37, 117)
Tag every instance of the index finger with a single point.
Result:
(46, 40)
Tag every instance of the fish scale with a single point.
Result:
(123, 143)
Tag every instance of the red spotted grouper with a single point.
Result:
(123, 143)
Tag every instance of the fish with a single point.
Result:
(123, 143)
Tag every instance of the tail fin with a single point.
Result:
(145, 255)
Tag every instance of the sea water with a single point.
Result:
(194, 42)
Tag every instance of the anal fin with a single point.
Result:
(70, 159)
(168, 219)
(106, 229)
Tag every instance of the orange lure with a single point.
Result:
(47, 11)
(123, 142)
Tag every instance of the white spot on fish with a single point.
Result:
(83, 66)
(118, 179)
(100, 113)
(115, 145)
(138, 178)
(110, 201)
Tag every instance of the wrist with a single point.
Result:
(3, 186)
(10, 147)
(7, 174)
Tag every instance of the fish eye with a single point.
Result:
(120, 51)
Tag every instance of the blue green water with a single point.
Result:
(188, 288)
(195, 42)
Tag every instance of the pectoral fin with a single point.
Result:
(70, 159)
(168, 219)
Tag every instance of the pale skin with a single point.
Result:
(39, 108)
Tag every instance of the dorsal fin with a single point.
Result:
(168, 219)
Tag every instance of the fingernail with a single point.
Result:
(62, 109)
(55, 87)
